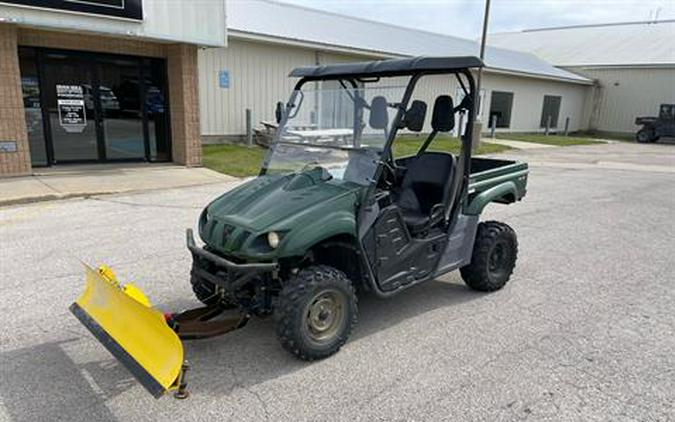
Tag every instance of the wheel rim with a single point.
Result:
(498, 259)
(325, 316)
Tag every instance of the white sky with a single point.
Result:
(464, 17)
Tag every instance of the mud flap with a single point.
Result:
(122, 319)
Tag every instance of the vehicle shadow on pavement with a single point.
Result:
(42, 383)
(245, 358)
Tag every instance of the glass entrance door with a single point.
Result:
(69, 99)
(96, 107)
(121, 108)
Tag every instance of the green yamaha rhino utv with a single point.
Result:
(333, 212)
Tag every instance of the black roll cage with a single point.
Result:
(415, 69)
(464, 163)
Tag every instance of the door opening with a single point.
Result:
(97, 107)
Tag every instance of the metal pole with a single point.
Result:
(478, 125)
(548, 125)
(249, 127)
(493, 126)
(567, 126)
(483, 41)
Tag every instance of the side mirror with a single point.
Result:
(443, 119)
(414, 117)
(279, 111)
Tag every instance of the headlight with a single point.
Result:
(273, 239)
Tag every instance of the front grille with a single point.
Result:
(239, 240)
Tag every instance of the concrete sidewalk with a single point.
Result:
(84, 180)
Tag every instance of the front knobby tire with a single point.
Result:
(316, 312)
(645, 136)
(495, 251)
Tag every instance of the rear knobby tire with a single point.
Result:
(316, 312)
(495, 251)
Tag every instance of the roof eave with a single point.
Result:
(617, 65)
(252, 36)
(313, 45)
(581, 80)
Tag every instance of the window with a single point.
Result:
(551, 108)
(32, 107)
(500, 106)
(459, 96)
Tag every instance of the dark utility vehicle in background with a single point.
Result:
(654, 128)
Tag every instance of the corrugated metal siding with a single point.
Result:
(528, 101)
(259, 78)
(286, 21)
(626, 93)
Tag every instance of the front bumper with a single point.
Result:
(230, 275)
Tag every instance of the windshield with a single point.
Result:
(343, 130)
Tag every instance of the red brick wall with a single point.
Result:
(184, 99)
(12, 117)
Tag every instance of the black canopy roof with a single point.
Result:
(393, 67)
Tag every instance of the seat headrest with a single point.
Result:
(414, 117)
(443, 119)
(379, 116)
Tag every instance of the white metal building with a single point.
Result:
(266, 39)
(633, 65)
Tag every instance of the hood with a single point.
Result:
(269, 200)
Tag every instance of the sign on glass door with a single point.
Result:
(72, 112)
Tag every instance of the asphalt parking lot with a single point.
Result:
(585, 330)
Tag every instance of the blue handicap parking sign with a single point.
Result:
(224, 78)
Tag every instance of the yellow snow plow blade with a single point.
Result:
(122, 319)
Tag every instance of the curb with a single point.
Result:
(85, 195)
(51, 197)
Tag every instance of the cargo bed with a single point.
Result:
(494, 180)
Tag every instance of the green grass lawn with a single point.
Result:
(242, 161)
(540, 138)
(234, 160)
(624, 137)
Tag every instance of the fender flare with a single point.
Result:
(476, 205)
(329, 226)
